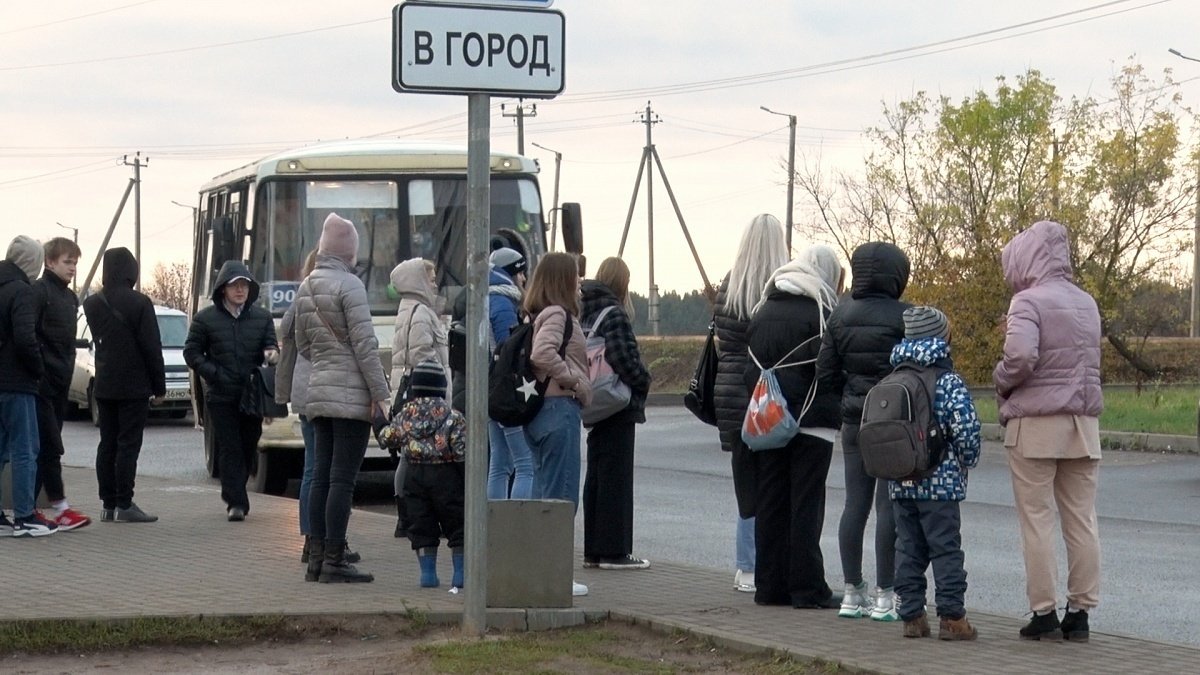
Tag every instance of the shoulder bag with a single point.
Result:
(701, 390)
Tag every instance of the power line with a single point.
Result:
(74, 18)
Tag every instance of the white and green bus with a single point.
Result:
(407, 200)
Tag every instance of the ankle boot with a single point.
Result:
(956, 629)
(401, 519)
(335, 569)
(456, 555)
(1075, 626)
(316, 558)
(352, 556)
(427, 558)
(1043, 627)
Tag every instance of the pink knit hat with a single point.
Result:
(339, 238)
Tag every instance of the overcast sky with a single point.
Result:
(203, 87)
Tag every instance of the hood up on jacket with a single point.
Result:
(927, 351)
(234, 269)
(596, 296)
(27, 254)
(120, 268)
(411, 281)
(879, 268)
(1037, 255)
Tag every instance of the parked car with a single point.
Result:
(173, 327)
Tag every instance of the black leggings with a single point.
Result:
(341, 444)
(861, 490)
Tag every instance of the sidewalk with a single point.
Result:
(193, 562)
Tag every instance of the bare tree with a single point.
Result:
(171, 285)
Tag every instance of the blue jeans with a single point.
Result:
(745, 544)
(310, 449)
(19, 444)
(509, 453)
(554, 437)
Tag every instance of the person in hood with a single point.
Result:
(129, 372)
(432, 438)
(854, 357)
(608, 481)
(510, 461)
(21, 370)
(1048, 390)
(928, 518)
(419, 336)
(785, 333)
(227, 340)
(58, 312)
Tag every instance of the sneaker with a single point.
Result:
(70, 519)
(855, 601)
(744, 581)
(956, 629)
(625, 562)
(107, 515)
(917, 628)
(32, 527)
(578, 589)
(132, 514)
(590, 561)
(1043, 627)
(6, 525)
(236, 514)
(885, 606)
(1075, 625)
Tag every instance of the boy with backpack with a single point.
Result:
(926, 511)
(432, 438)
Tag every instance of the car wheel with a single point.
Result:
(270, 473)
(210, 448)
(92, 407)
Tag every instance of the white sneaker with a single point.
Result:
(744, 582)
(578, 589)
(885, 606)
(855, 602)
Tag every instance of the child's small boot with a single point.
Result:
(456, 554)
(427, 557)
(956, 629)
(917, 627)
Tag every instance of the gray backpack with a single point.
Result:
(900, 438)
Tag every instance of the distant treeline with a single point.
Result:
(686, 314)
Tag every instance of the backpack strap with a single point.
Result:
(116, 313)
(591, 329)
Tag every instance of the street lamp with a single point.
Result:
(791, 169)
(75, 238)
(1195, 327)
(553, 211)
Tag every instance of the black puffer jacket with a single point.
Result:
(222, 348)
(729, 394)
(20, 359)
(864, 327)
(783, 323)
(129, 359)
(57, 315)
(620, 344)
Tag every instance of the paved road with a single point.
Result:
(1149, 517)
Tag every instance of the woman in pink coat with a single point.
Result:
(1048, 388)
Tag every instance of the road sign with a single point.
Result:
(464, 49)
(535, 4)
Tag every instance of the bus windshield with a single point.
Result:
(397, 218)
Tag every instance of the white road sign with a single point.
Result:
(462, 49)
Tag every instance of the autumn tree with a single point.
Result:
(171, 285)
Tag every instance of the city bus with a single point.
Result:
(407, 200)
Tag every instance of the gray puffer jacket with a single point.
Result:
(340, 342)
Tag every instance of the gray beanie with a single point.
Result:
(427, 380)
(27, 254)
(923, 322)
(508, 260)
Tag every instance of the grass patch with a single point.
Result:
(1154, 410)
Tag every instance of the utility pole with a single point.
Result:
(648, 153)
(791, 185)
(554, 210)
(521, 113)
(1195, 327)
(74, 238)
(137, 165)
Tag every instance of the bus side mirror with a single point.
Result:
(572, 227)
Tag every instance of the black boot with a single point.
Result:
(1043, 627)
(304, 551)
(1075, 626)
(336, 570)
(401, 519)
(316, 559)
(352, 556)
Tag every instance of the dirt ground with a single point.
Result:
(394, 645)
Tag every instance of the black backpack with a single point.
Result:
(900, 438)
(515, 394)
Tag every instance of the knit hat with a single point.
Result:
(339, 238)
(27, 254)
(508, 260)
(923, 322)
(427, 380)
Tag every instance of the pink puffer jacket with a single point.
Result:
(1051, 360)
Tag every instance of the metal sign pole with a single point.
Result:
(478, 329)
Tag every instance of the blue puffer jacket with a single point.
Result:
(504, 299)
(955, 412)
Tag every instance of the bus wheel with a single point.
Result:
(270, 476)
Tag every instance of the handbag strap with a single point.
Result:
(408, 336)
(321, 316)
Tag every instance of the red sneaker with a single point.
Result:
(70, 519)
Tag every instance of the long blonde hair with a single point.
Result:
(555, 281)
(614, 274)
(763, 250)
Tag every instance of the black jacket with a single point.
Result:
(129, 360)
(57, 314)
(222, 348)
(620, 344)
(729, 393)
(783, 323)
(865, 326)
(20, 358)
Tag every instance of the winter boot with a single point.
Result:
(916, 628)
(401, 519)
(336, 570)
(456, 555)
(956, 629)
(352, 556)
(427, 557)
(304, 551)
(316, 558)
(1043, 627)
(1075, 625)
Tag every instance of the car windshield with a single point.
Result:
(173, 330)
